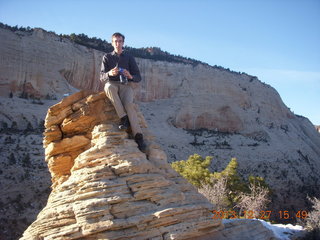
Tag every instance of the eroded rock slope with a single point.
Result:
(103, 187)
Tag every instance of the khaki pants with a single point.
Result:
(121, 97)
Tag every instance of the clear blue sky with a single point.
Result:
(276, 40)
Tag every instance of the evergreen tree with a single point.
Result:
(195, 169)
(12, 159)
(234, 182)
(26, 161)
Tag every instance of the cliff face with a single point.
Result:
(210, 97)
(103, 187)
(42, 63)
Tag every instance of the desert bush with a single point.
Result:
(4, 125)
(9, 140)
(217, 193)
(29, 127)
(313, 219)
(235, 184)
(26, 160)
(255, 201)
(14, 125)
(12, 159)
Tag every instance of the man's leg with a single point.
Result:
(112, 92)
(126, 95)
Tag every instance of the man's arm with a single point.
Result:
(104, 76)
(134, 70)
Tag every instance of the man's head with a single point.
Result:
(117, 42)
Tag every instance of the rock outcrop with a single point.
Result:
(103, 187)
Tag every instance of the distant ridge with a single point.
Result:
(154, 53)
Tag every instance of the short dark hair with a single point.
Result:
(117, 34)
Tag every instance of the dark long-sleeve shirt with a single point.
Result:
(125, 60)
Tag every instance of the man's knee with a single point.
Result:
(126, 95)
(109, 88)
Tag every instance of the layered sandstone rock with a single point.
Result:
(103, 187)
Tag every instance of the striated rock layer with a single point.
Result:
(103, 187)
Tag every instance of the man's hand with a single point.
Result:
(127, 74)
(113, 72)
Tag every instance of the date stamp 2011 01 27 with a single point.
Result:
(265, 215)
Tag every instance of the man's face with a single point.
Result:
(117, 43)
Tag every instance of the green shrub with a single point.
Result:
(196, 171)
(235, 185)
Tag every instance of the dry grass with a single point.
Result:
(313, 219)
(217, 193)
(255, 201)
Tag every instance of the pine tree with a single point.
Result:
(12, 159)
(234, 182)
(195, 169)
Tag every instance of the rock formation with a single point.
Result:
(103, 187)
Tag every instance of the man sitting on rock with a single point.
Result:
(118, 69)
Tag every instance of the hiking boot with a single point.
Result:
(139, 140)
(124, 123)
